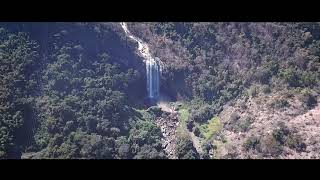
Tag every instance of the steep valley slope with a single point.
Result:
(227, 90)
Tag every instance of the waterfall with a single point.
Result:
(153, 67)
(153, 72)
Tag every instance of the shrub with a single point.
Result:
(155, 110)
(185, 149)
(196, 131)
(231, 152)
(234, 117)
(184, 115)
(284, 136)
(308, 78)
(295, 142)
(211, 128)
(266, 89)
(280, 134)
(280, 103)
(243, 125)
(202, 115)
(290, 75)
(271, 66)
(242, 105)
(262, 75)
(270, 146)
(299, 78)
(190, 124)
(253, 91)
(252, 142)
(308, 98)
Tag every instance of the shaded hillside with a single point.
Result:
(68, 91)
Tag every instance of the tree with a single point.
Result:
(19, 62)
(185, 148)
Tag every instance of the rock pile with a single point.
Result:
(168, 124)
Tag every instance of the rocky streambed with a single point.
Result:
(168, 123)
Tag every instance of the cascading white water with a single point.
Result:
(153, 67)
(153, 72)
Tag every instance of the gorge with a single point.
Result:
(159, 90)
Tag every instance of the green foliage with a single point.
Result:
(196, 131)
(290, 76)
(309, 79)
(243, 125)
(145, 140)
(280, 103)
(211, 128)
(270, 146)
(155, 110)
(224, 58)
(72, 97)
(308, 98)
(296, 142)
(185, 148)
(202, 114)
(145, 132)
(271, 66)
(18, 85)
(148, 152)
(280, 133)
(183, 115)
(91, 99)
(299, 78)
(252, 142)
(284, 136)
(76, 102)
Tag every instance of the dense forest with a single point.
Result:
(237, 90)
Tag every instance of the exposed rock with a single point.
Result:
(301, 122)
(168, 124)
